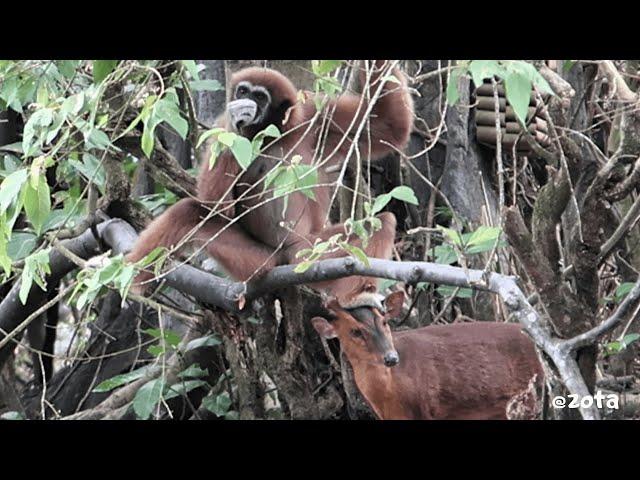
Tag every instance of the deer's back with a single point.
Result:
(467, 370)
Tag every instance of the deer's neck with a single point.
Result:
(377, 385)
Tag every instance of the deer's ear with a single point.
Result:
(332, 304)
(394, 303)
(323, 327)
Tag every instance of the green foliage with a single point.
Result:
(205, 85)
(157, 202)
(193, 371)
(183, 388)
(37, 203)
(11, 416)
(120, 380)
(157, 111)
(320, 248)
(148, 397)
(481, 240)
(114, 271)
(102, 68)
(206, 341)
(362, 228)
(622, 291)
(36, 267)
(243, 150)
(615, 347)
(325, 85)
(519, 78)
(167, 340)
(220, 405)
(287, 179)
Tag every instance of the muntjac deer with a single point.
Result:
(457, 371)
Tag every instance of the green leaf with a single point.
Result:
(623, 290)
(205, 85)
(147, 398)
(518, 91)
(481, 69)
(67, 67)
(219, 405)
(37, 203)
(527, 70)
(208, 134)
(182, 388)
(629, 339)
(192, 68)
(20, 245)
(453, 95)
(323, 67)
(484, 234)
(447, 291)
(227, 138)
(152, 257)
(35, 267)
(102, 68)
(271, 131)
(380, 202)
(193, 371)
(10, 188)
(303, 266)
(445, 255)
(91, 168)
(119, 380)
(156, 350)
(356, 252)
(147, 141)
(167, 110)
(243, 151)
(11, 416)
(40, 120)
(404, 194)
(483, 247)
(208, 341)
(451, 235)
(96, 138)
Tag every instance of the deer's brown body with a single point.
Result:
(455, 372)
(458, 371)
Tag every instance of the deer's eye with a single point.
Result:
(356, 333)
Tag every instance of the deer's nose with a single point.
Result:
(391, 358)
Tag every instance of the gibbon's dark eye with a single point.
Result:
(259, 96)
(356, 333)
(241, 90)
(384, 323)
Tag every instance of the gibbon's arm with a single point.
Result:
(391, 118)
(215, 189)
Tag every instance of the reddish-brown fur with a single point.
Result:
(256, 242)
(458, 371)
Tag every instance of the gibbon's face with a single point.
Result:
(249, 106)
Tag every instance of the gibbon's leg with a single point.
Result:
(167, 230)
(237, 252)
(350, 290)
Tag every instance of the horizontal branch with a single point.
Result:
(231, 296)
(116, 233)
